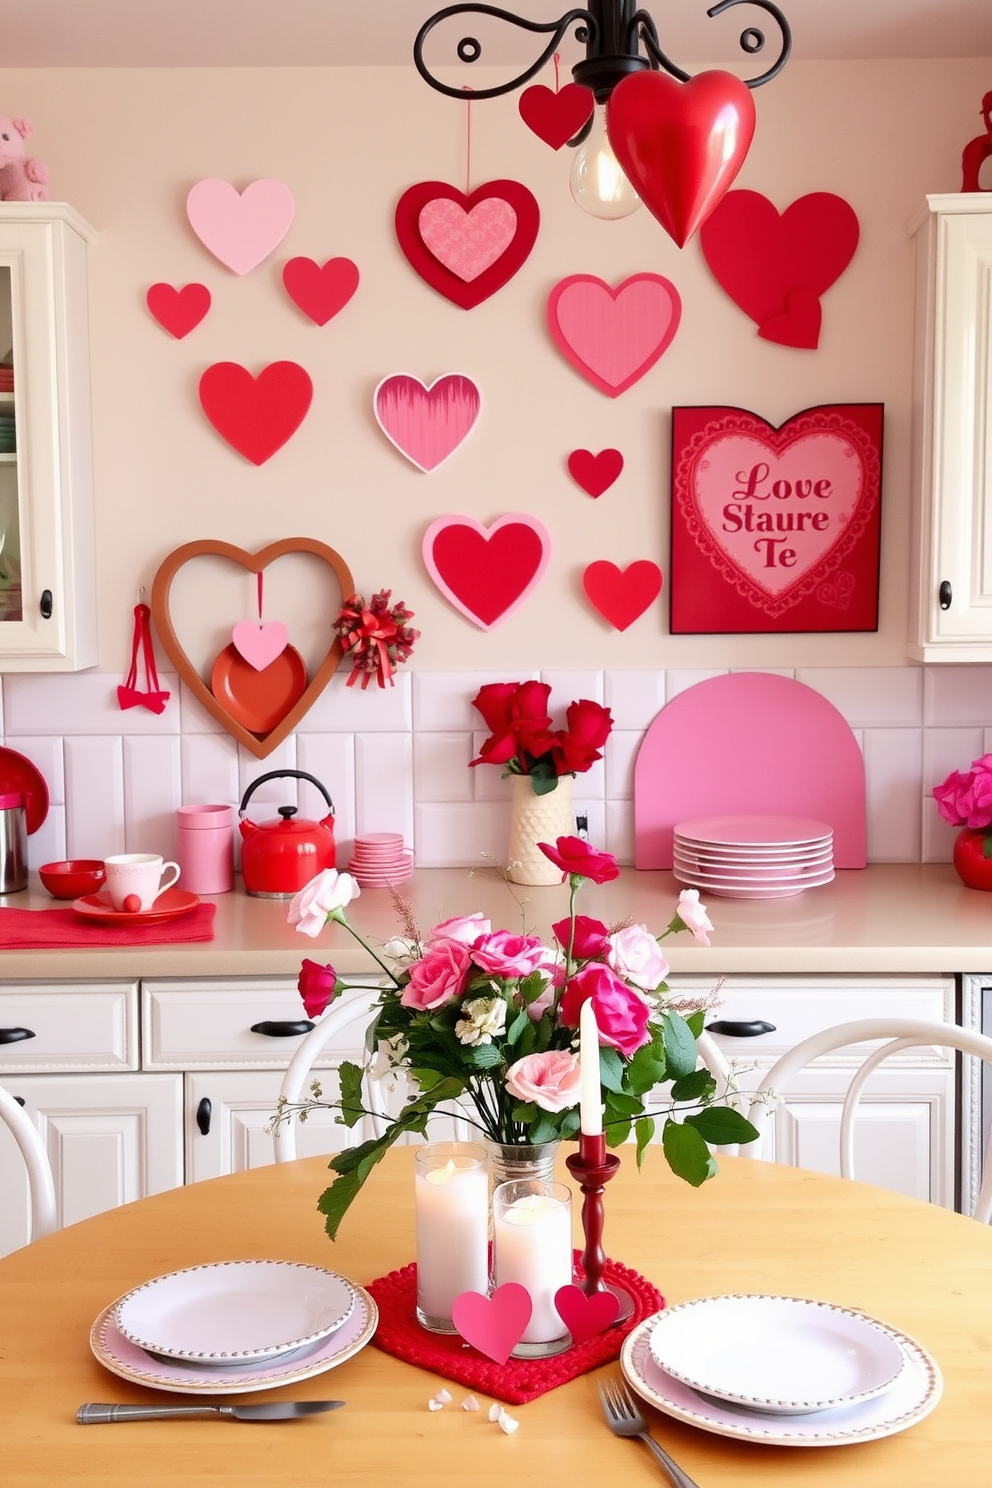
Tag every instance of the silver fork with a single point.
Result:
(625, 1419)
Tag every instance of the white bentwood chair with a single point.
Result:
(898, 1034)
(41, 1185)
(340, 1019)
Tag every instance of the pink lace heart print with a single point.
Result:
(467, 243)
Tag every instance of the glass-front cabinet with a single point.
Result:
(47, 577)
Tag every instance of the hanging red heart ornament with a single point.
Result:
(680, 144)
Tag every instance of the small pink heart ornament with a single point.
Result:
(467, 243)
(260, 645)
(493, 1325)
(583, 1316)
(240, 228)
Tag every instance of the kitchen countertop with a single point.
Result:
(888, 918)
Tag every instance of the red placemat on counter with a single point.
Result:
(518, 1380)
(50, 929)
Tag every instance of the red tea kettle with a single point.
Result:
(278, 857)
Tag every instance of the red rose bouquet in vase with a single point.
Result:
(541, 763)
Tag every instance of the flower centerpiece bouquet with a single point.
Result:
(965, 799)
(489, 1018)
(522, 739)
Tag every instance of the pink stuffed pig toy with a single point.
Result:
(21, 179)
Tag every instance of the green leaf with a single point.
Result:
(680, 1046)
(525, 1113)
(543, 1130)
(543, 783)
(695, 1021)
(694, 1087)
(483, 1056)
(611, 1068)
(528, 1041)
(516, 1029)
(351, 1077)
(570, 1123)
(721, 1125)
(617, 1131)
(688, 1155)
(644, 1130)
(622, 1104)
(646, 1069)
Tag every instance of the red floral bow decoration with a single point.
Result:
(377, 636)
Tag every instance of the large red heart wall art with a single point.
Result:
(613, 336)
(256, 415)
(486, 572)
(467, 245)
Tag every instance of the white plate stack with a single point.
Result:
(753, 857)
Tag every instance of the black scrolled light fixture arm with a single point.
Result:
(469, 50)
(752, 40)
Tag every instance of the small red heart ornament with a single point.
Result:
(178, 311)
(556, 117)
(320, 291)
(798, 324)
(493, 1325)
(595, 473)
(486, 572)
(621, 595)
(256, 415)
(680, 144)
(584, 1316)
(437, 271)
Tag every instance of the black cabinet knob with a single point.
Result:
(15, 1035)
(288, 1029)
(204, 1111)
(732, 1029)
(45, 604)
(944, 595)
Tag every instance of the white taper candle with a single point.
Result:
(590, 1090)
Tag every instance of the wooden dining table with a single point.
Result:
(754, 1228)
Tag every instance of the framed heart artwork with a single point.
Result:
(775, 529)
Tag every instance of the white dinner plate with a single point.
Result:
(747, 873)
(788, 1355)
(745, 855)
(915, 1392)
(235, 1311)
(754, 890)
(126, 1359)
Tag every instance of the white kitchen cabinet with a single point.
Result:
(47, 567)
(951, 579)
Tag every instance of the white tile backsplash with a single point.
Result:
(94, 791)
(894, 789)
(152, 792)
(634, 698)
(889, 697)
(384, 784)
(35, 703)
(957, 695)
(441, 767)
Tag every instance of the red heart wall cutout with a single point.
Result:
(622, 594)
(467, 292)
(595, 473)
(680, 144)
(556, 117)
(613, 336)
(584, 1316)
(494, 1325)
(775, 266)
(486, 572)
(178, 311)
(320, 292)
(256, 415)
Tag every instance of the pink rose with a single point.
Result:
(621, 1013)
(693, 915)
(322, 899)
(316, 986)
(635, 955)
(438, 977)
(949, 797)
(504, 954)
(589, 939)
(464, 928)
(573, 855)
(549, 1080)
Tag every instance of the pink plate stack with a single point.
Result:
(380, 859)
(753, 857)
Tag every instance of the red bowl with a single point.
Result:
(73, 877)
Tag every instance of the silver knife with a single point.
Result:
(92, 1413)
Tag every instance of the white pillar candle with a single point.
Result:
(532, 1244)
(452, 1204)
(590, 1090)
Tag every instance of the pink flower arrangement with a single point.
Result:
(965, 797)
(522, 739)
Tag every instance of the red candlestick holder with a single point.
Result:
(593, 1167)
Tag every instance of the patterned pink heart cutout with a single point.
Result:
(178, 311)
(467, 243)
(493, 1325)
(320, 292)
(260, 645)
(486, 572)
(426, 423)
(613, 336)
(584, 1316)
(240, 228)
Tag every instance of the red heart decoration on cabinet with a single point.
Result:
(320, 291)
(680, 144)
(467, 292)
(584, 1316)
(613, 336)
(556, 117)
(178, 311)
(493, 1325)
(622, 594)
(595, 473)
(256, 415)
(486, 571)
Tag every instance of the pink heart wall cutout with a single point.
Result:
(584, 1316)
(178, 311)
(556, 117)
(467, 243)
(595, 473)
(493, 1325)
(426, 423)
(613, 336)
(775, 266)
(439, 275)
(240, 228)
(680, 144)
(256, 415)
(260, 645)
(320, 291)
(486, 572)
(621, 595)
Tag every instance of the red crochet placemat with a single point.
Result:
(518, 1380)
(39, 929)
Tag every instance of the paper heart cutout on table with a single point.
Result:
(464, 292)
(680, 144)
(621, 595)
(775, 266)
(240, 228)
(486, 572)
(178, 311)
(344, 585)
(613, 336)
(584, 1316)
(595, 473)
(556, 117)
(320, 291)
(467, 243)
(255, 415)
(426, 423)
(493, 1325)
(260, 645)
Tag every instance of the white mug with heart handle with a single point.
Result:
(135, 880)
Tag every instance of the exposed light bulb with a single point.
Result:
(595, 180)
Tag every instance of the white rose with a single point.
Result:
(322, 899)
(693, 915)
(634, 954)
(486, 1017)
(402, 950)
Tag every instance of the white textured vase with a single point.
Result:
(535, 819)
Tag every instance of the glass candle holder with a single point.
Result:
(452, 1206)
(532, 1245)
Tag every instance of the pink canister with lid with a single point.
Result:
(205, 848)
